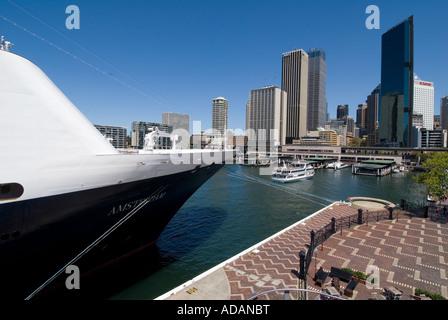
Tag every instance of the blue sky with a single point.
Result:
(148, 57)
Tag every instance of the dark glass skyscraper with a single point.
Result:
(317, 81)
(342, 111)
(397, 83)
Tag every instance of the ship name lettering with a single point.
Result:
(131, 205)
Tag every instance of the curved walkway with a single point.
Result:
(409, 253)
(371, 203)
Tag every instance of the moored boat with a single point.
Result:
(337, 165)
(294, 171)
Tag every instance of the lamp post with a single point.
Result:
(342, 217)
(302, 275)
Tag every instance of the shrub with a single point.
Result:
(432, 296)
(360, 275)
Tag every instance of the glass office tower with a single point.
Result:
(397, 83)
(317, 82)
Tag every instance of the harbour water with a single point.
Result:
(236, 209)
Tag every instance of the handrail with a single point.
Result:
(299, 290)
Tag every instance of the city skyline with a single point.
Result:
(157, 57)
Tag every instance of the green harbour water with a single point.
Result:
(238, 208)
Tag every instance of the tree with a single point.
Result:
(356, 142)
(435, 174)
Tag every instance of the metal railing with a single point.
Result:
(287, 292)
(407, 210)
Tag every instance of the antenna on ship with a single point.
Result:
(5, 44)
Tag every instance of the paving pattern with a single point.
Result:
(408, 253)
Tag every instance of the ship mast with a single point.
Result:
(5, 45)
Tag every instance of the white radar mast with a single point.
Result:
(5, 45)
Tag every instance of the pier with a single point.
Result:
(402, 250)
(377, 168)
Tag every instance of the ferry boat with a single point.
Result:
(294, 171)
(66, 192)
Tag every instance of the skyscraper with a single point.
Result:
(361, 117)
(397, 84)
(424, 102)
(317, 81)
(295, 83)
(266, 111)
(342, 111)
(444, 112)
(372, 116)
(220, 118)
(361, 114)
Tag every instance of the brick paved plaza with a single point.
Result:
(409, 253)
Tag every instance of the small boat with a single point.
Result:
(337, 165)
(431, 198)
(294, 171)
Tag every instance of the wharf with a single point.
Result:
(409, 252)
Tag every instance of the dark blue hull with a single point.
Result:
(40, 236)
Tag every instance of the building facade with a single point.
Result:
(295, 84)
(444, 112)
(342, 111)
(397, 84)
(437, 122)
(115, 135)
(361, 119)
(220, 115)
(433, 138)
(424, 102)
(177, 121)
(266, 114)
(361, 114)
(372, 124)
(141, 128)
(317, 82)
(350, 123)
(340, 127)
(181, 127)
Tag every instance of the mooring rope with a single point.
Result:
(96, 242)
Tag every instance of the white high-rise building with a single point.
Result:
(220, 120)
(424, 102)
(267, 111)
(295, 83)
